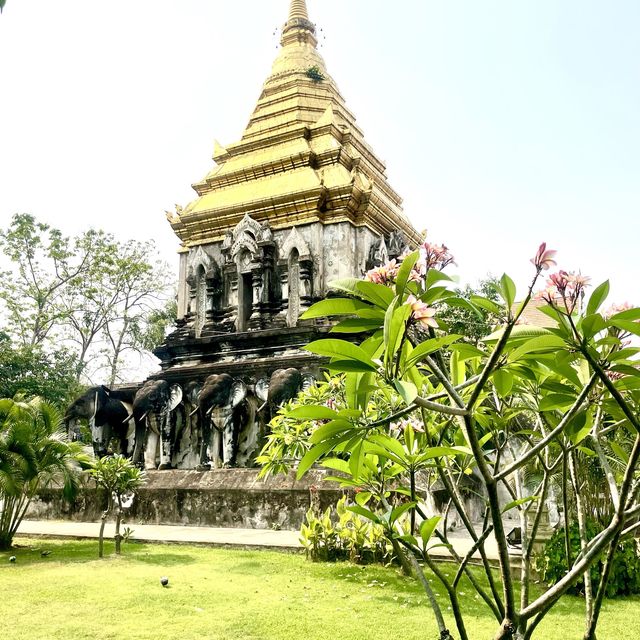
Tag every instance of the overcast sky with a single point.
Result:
(502, 122)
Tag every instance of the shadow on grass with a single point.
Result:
(40, 551)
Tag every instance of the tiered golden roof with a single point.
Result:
(301, 159)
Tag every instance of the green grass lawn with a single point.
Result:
(232, 594)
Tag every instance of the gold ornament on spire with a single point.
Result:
(298, 10)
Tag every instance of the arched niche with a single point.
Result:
(244, 260)
(201, 298)
(296, 269)
(293, 269)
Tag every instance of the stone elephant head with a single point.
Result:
(226, 413)
(108, 412)
(153, 408)
(282, 386)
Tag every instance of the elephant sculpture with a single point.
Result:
(227, 419)
(284, 385)
(154, 411)
(109, 414)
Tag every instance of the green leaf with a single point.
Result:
(623, 354)
(503, 382)
(317, 452)
(377, 294)
(463, 304)
(356, 325)
(519, 332)
(355, 460)
(517, 503)
(592, 324)
(629, 314)
(626, 369)
(458, 369)
(507, 290)
(362, 498)
(405, 271)
(427, 527)
(555, 401)
(598, 296)
(337, 464)
(400, 510)
(388, 445)
(429, 346)
(487, 305)
(329, 430)
(626, 325)
(433, 276)
(467, 351)
(408, 539)
(348, 285)
(364, 512)
(312, 412)
(340, 349)
(438, 452)
(395, 325)
(619, 451)
(535, 345)
(345, 366)
(407, 390)
(334, 307)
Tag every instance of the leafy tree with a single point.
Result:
(472, 323)
(512, 410)
(29, 371)
(45, 264)
(121, 479)
(90, 292)
(34, 452)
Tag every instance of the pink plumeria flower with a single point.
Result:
(434, 256)
(386, 274)
(422, 312)
(544, 258)
(617, 308)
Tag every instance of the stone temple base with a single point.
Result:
(218, 498)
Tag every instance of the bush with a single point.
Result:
(625, 571)
(339, 534)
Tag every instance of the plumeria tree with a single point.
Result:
(120, 478)
(515, 411)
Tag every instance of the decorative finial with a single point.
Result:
(298, 10)
(298, 26)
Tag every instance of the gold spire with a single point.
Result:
(298, 10)
(302, 158)
(298, 28)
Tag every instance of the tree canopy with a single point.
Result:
(81, 304)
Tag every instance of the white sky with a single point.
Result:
(503, 123)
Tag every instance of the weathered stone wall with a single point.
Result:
(220, 498)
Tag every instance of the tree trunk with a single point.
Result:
(507, 631)
(118, 537)
(404, 563)
(103, 522)
(442, 627)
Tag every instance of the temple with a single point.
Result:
(299, 201)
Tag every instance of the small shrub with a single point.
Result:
(339, 534)
(625, 572)
(315, 74)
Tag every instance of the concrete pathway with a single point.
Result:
(217, 537)
(247, 538)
